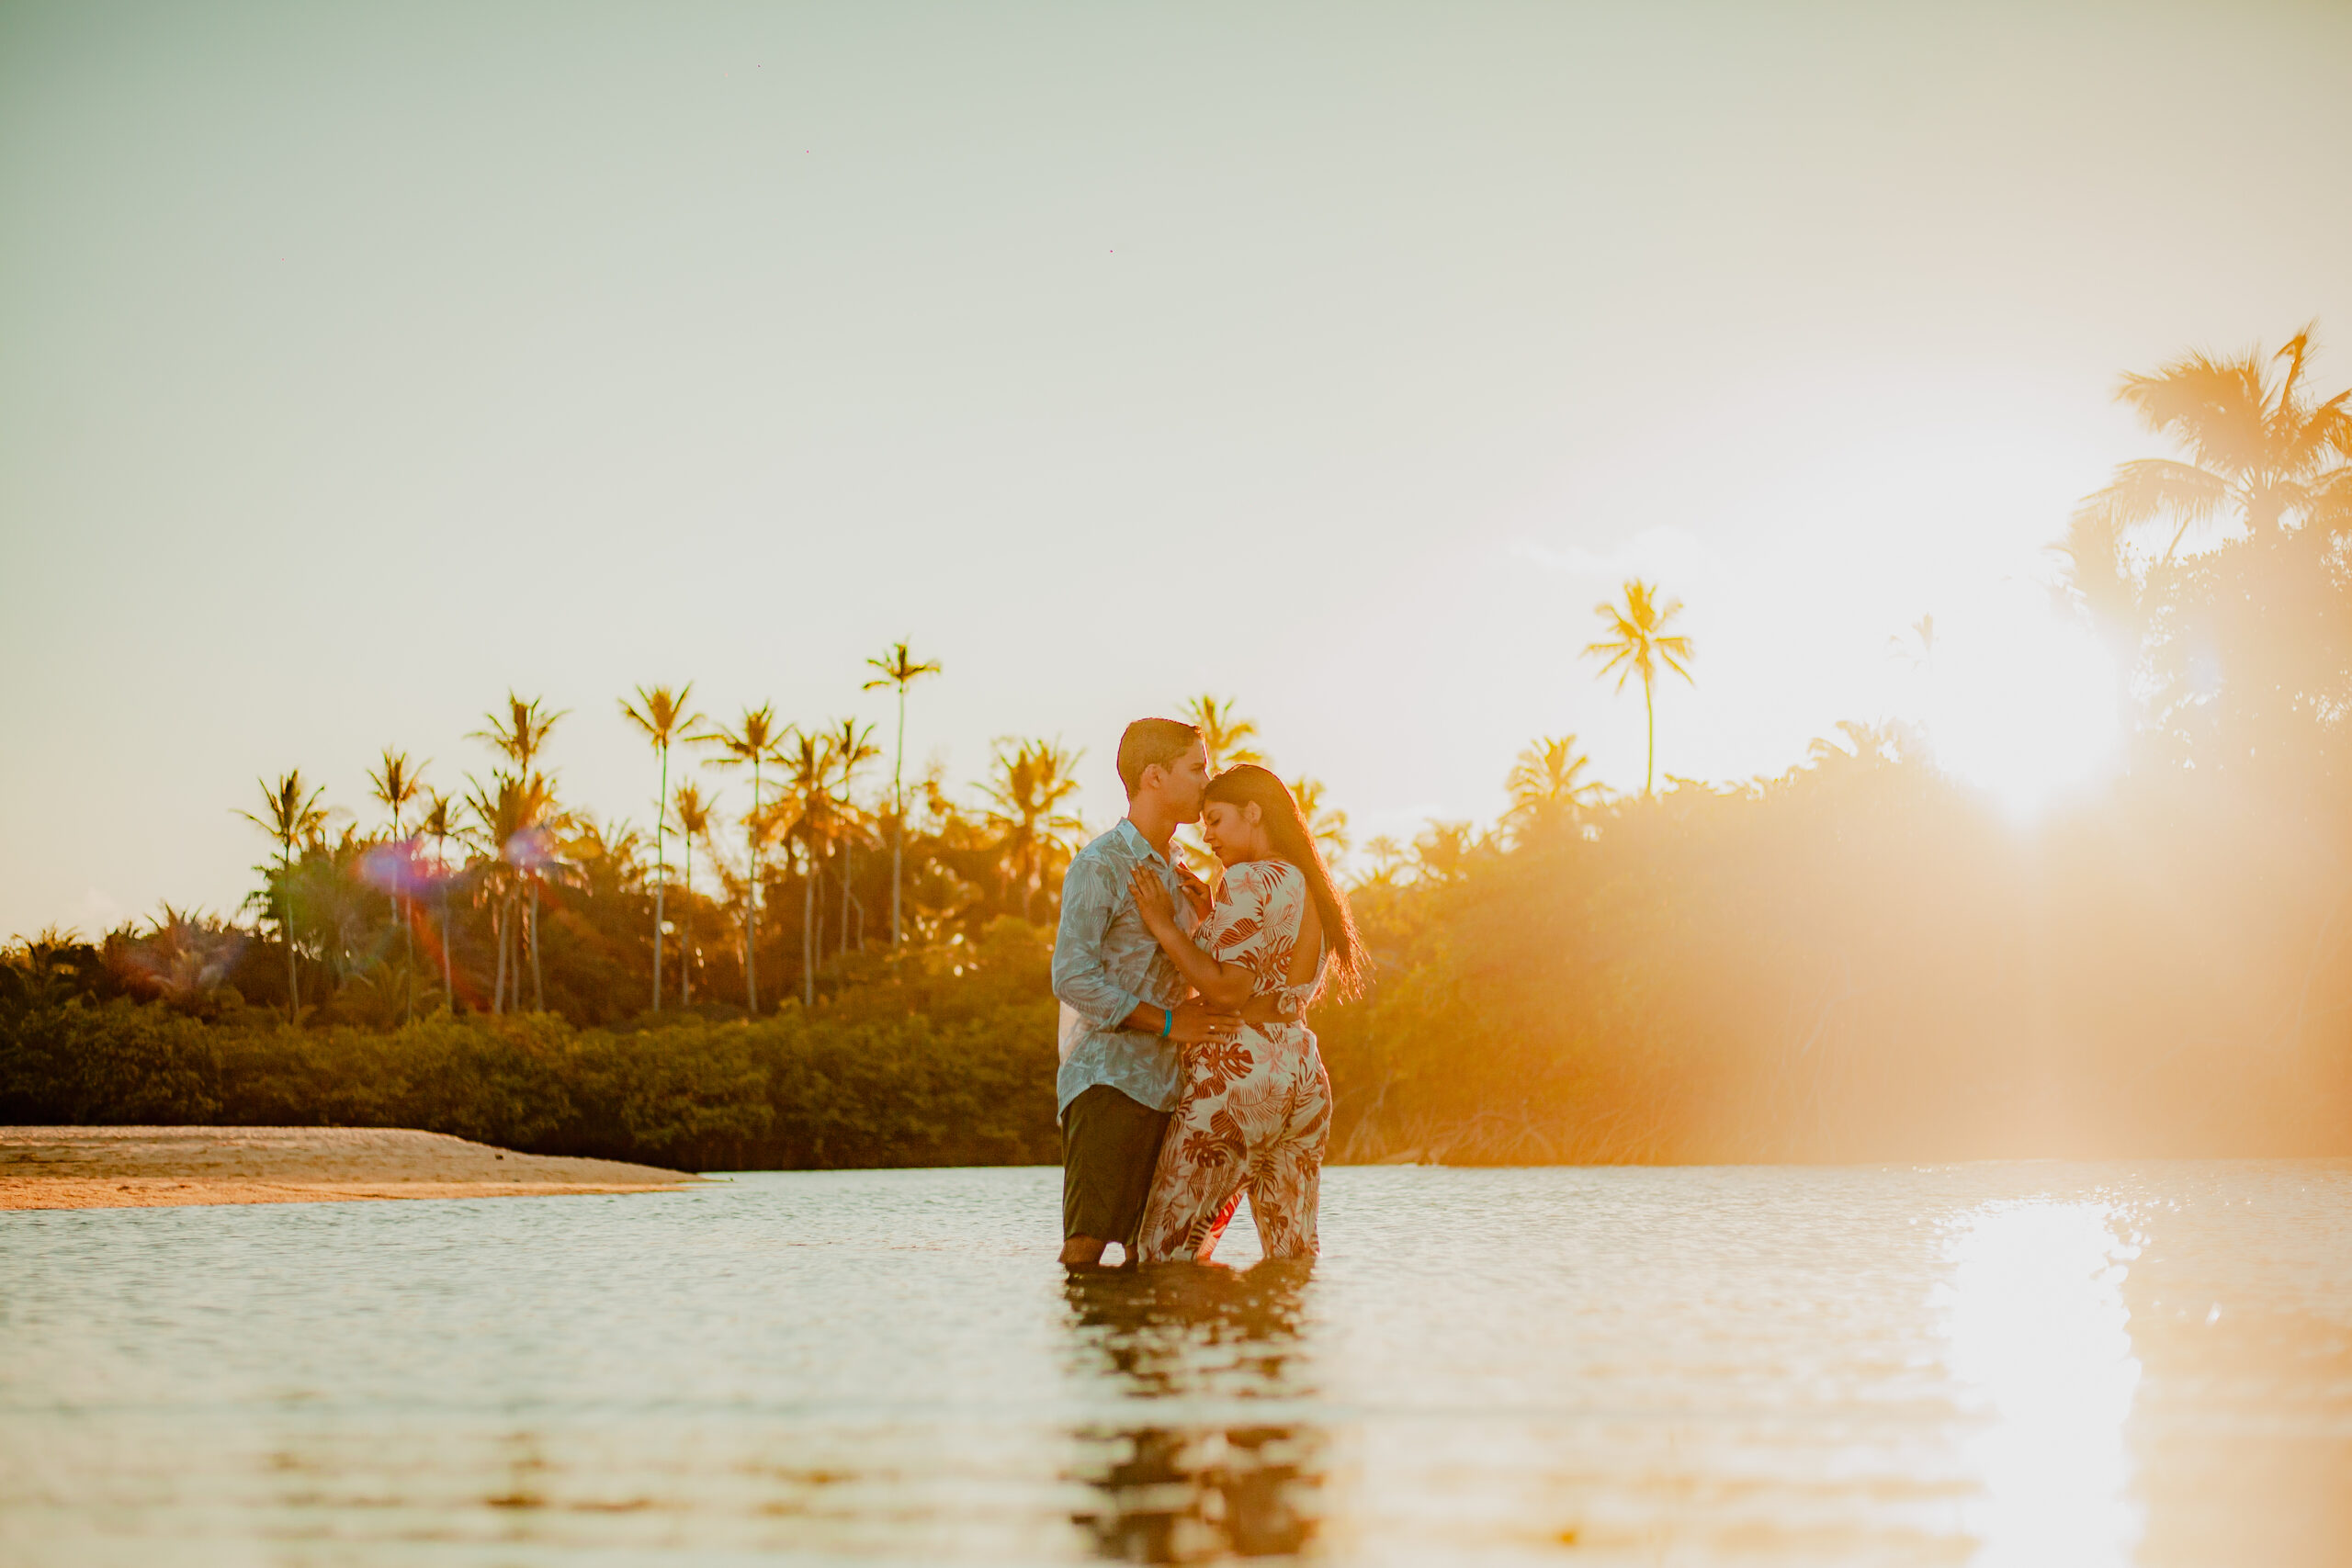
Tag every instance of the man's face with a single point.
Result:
(1184, 779)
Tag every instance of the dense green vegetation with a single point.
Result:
(920, 1062)
(1861, 959)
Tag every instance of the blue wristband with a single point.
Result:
(1170, 1027)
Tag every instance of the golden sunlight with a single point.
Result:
(2040, 1340)
(2020, 701)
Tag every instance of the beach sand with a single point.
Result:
(137, 1168)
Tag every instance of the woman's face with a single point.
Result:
(1235, 833)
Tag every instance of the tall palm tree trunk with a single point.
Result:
(751, 925)
(286, 932)
(809, 928)
(407, 926)
(752, 902)
(407, 944)
(498, 934)
(899, 816)
(538, 986)
(686, 933)
(1649, 713)
(818, 871)
(448, 964)
(661, 874)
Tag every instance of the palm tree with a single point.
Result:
(852, 749)
(1031, 781)
(497, 811)
(900, 670)
(522, 733)
(289, 815)
(512, 822)
(1327, 824)
(809, 768)
(1442, 849)
(1637, 644)
(533, 851)
(521, 736)
(1225, 738)
(753, 745)
(1547, 784)
(436, 825)
(2259, 447)
(2266, 484)
(661, 716)
(694, 822)
(1389, 861)
(394, 785)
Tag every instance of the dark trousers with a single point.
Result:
(1110, 1146)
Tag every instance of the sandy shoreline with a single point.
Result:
(128, 1167)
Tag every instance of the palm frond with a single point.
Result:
(523, 732)
(2216, 408)
(2321, 432)
(1225, 737)
(661, 715)
(900, 668)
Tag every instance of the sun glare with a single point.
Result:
(2020, 703)
(2041, 1342)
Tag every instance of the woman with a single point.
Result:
(1256, 1111)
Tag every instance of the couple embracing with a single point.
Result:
(1188, 1073)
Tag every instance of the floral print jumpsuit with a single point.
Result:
(1256, 1111)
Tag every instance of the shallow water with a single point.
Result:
(2000, 1364)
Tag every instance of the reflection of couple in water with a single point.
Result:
(1188, 1073)
(1243, 1481)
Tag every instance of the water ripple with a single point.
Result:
(1998, 1364)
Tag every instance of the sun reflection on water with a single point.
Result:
(2040, 1341)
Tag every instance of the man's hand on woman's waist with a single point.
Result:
(1193, 1022)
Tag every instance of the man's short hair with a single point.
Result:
(1150, 741)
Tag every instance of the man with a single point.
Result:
(1126, 1010)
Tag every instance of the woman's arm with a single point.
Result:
(1223, 985)
(1082, 981)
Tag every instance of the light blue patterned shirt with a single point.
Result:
(1106, 965)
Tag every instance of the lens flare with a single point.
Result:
(402, 870)
(531, 850)
(2022, 703)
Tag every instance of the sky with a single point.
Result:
(360, 364)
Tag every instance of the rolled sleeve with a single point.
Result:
(1082, 978)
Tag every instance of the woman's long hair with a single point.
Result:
(1245, 783)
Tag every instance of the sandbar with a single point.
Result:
(142, 1168)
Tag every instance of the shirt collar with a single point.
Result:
(1137, 842)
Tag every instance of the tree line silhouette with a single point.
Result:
(504, 898)
(1861, 958)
